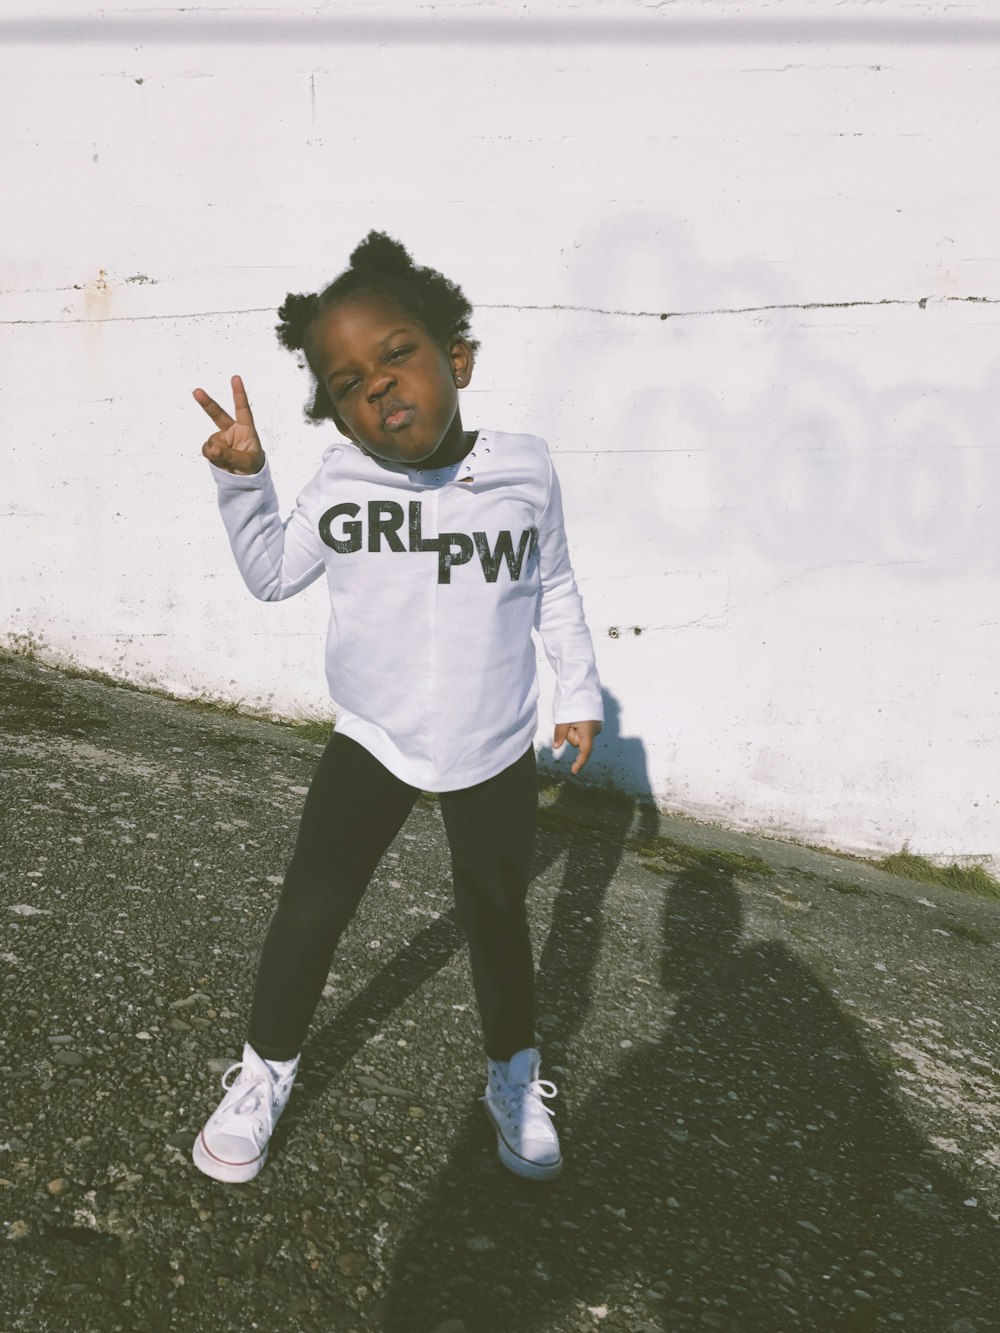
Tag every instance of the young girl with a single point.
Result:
(442, 549)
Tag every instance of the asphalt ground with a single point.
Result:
(779, 1096)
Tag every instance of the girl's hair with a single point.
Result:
(379, 266)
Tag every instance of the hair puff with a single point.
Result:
(297, 312)
(379, 253)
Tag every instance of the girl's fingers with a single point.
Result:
(241, 460)
(586, 744)
(243, 414)
(217, 446)
(221, 418)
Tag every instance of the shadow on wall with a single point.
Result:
(617, 760)
(806, 461)
(746, 1169)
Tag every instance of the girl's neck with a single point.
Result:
(462, 447)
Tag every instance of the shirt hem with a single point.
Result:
(379, 745)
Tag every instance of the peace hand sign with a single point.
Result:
(234, 447)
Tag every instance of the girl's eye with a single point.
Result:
(394, 355)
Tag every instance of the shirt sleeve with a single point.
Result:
(559, 619)
(276, 558)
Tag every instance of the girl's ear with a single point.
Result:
(462, 360)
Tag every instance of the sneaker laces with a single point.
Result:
(535, 1091)
(516, 1097)
(255, 1100)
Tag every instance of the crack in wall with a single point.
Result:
(720, 619)
(920, 302)
(750, 309)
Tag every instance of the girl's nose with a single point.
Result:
(381, 385)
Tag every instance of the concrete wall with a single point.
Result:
(740, 269)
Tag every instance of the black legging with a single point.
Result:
(354, 809)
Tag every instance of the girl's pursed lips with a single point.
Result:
(398, 419)
(390, 406)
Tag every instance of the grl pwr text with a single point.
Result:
(344, 532)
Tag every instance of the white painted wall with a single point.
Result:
(791, 484)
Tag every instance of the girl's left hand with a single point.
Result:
(580, 735)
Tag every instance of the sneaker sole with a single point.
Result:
(520, 1165)
(234, 1173)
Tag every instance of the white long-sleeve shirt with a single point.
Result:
(436, 580)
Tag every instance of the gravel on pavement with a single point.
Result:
(779, 1094)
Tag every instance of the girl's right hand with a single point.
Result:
(234, 447)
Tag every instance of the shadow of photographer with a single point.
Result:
(747, 1168)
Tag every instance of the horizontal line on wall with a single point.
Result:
(133, 319)
(921, 302)
(451, 28)
(800, 451)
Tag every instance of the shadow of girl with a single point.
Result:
(588, 832)
(748, 1169)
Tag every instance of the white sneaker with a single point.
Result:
(233, 1144)
(527, 1142)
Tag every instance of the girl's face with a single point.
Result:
(394, 387)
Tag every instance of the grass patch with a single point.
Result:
(664, 855)
(969, 878)
(965, 932)
(843, 886)
(671, 854)
(318, 730)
